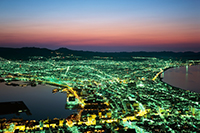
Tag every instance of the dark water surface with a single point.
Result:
(187, 78)
(40, 100)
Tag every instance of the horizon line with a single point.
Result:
(54, 49)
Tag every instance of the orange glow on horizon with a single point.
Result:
(100, 34)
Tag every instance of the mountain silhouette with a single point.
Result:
(26, 53)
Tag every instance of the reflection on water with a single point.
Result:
(187, 78)
(40, 101)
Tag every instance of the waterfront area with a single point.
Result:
(39, 99)
(186, 78)
(109, 95)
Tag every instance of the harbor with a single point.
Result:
(117, 96)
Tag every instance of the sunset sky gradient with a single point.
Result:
(101, 25)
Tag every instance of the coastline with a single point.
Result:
(160, 78)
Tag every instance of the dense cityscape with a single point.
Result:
(99, 66)
(110, 95)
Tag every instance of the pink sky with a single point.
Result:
(168, 25)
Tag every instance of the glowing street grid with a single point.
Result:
(112, 96)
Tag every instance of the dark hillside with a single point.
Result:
(26, 52)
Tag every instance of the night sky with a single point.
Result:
(101, 25)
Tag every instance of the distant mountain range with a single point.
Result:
(27, 52)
